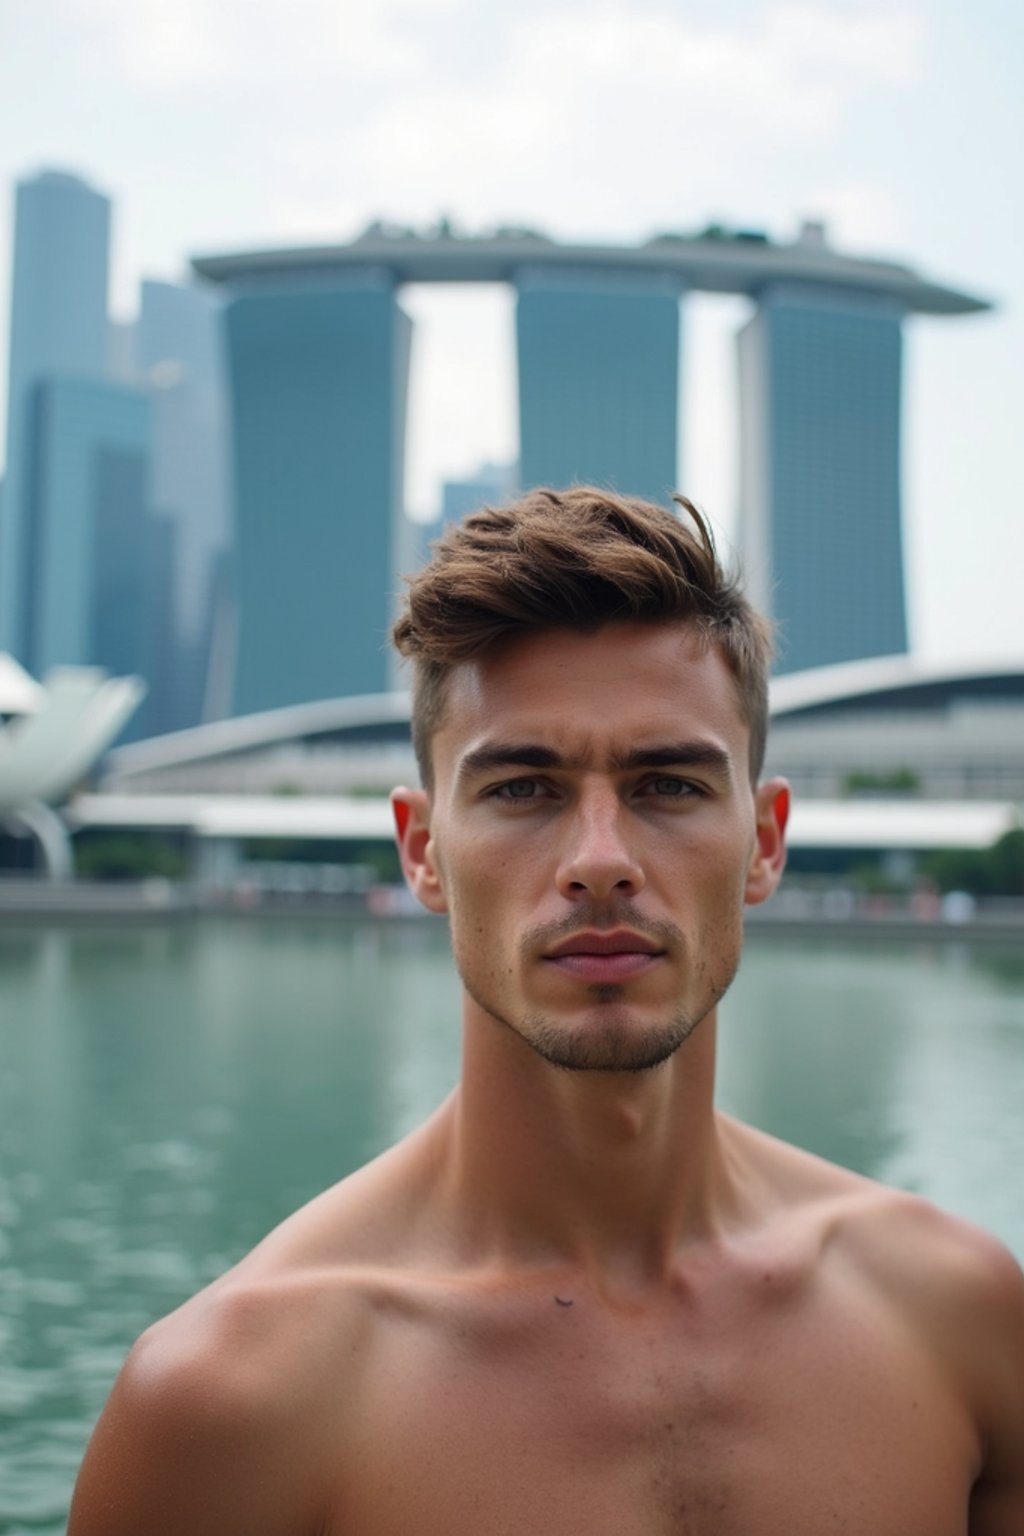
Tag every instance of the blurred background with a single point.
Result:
(288, 291)
(282, 290)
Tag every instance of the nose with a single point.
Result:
(597, 859)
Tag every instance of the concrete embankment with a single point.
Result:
(840, 915)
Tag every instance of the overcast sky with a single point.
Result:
(226, 124)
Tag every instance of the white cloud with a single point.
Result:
(793, 70)
(571, 103)
(591, 116)
(849, 45)
(194, 43)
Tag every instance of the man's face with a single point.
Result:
(593, 835)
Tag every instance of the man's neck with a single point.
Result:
(608, 1172)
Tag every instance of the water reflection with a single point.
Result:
(810, 1043)
(168, 1094)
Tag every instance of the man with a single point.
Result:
(579, 1300)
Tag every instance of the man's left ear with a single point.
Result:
(771, 804)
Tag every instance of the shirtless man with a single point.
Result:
(579, 1301)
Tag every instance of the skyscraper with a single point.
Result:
(318, 370)
(178, 325)
(58, 328)
(178, 359)
(599, 379)
(88, 518)
(820, 532)
(490, 485)
(318, 374)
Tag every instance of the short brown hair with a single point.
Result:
(575, 559)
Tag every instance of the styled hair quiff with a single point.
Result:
(575, 559)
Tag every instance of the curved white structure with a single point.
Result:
(255, 732)
(56, 732)
(19, 693)
(45, 754)
(863, 682)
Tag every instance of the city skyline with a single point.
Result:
(599, 332)
(58, 329)
(113, 505)
(759, 115)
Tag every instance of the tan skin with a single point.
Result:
(580, 1300)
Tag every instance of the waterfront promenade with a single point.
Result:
(303, 891)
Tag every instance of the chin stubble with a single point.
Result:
(610, 1043)
(607, 1047)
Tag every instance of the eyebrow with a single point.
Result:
(525, 754)
(676, 754)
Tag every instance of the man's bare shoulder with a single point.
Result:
(946, 1283)
(961, 1292)
(962, 1289)
(297, 1302)
(896, 1239)
(253, 1375)
(214, 1402)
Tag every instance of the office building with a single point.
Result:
(173, 664)
(318, 379)
(58, 329)
(489, 486)
(89, 602)
(598, 336)
(178, 358)
(179, 327)
(598, 380)
(821, 541)
(103, 562)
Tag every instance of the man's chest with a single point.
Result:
(788, 1428)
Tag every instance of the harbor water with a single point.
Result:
(169, 1092)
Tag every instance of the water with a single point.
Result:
(168, 1094)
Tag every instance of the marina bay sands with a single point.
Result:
(318, 356)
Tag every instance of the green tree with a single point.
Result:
(995, 871)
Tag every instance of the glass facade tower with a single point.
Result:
(319, 375)
(820, 383)
(58, 328)
(598, 380)
(178, 358)
(89, 602)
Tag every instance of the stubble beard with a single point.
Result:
(609, 1044)
(609, 1040)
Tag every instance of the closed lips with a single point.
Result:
(619, 943)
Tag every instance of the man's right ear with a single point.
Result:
(411, 810)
